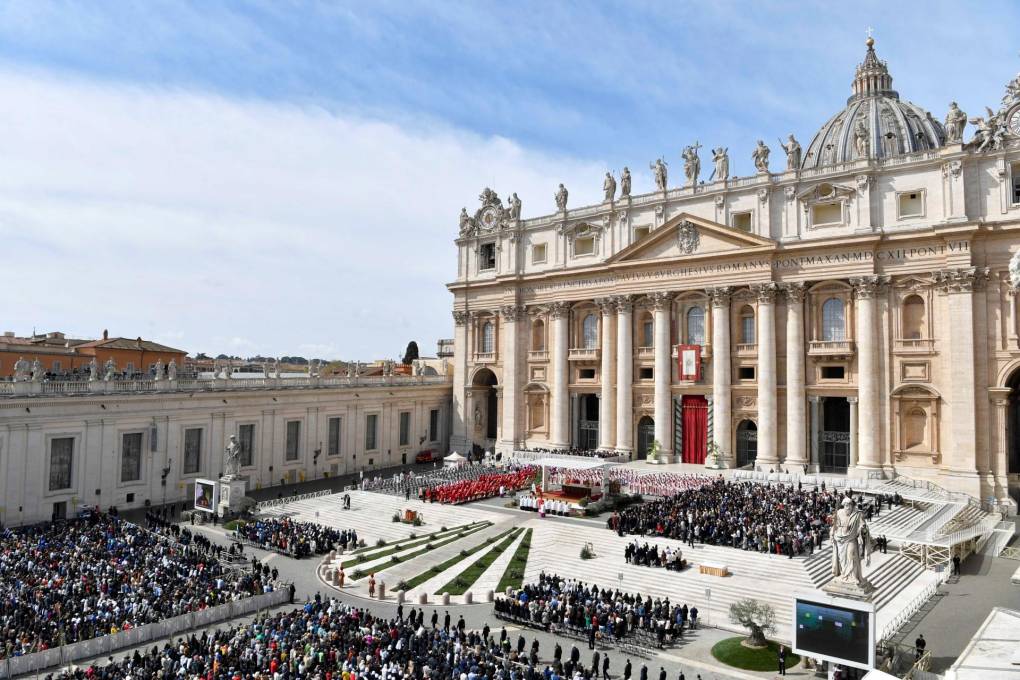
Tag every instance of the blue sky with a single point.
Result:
(283, 177)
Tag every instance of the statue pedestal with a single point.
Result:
(232, 489)
(850, 591)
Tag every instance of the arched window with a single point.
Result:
(647, 330)
(747, 335)
(488, 337)
(590, 332)
(696, 326)
(914, 426)
(833, 320)
(538, 335)
(913, 318)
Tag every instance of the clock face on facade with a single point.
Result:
(1013, 121)
(488, 217)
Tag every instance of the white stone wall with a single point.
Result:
(96, 422)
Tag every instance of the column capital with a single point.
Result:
(866, 287)
(512, 312)
(795, 291)
(814, 399)
(852, 400)
(624, 303)
(765, 292)
(559, 310)
(660, 300)
(720, 295)
(460, 318)
(606, 305)
(962, 280)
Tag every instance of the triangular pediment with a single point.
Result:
(689, 236)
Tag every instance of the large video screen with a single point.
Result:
(205, 496)
(839, 633)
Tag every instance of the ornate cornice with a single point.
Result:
(795, 291)
(866, 287)
(765, 292)
(660, 300)
(460, 318)
(559, 310)
(512, 312)
(962, 280)
(720, 295)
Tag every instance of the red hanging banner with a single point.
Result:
(688, 359)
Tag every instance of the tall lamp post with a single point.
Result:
(164, 473)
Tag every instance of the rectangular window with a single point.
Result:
(584, 246)
(293, 451)
(192, 451)
(131, 457)
(487, 256)
(646, 373)
(61, 457)
(538, 253)
(333, 444)
(405, 428)
(742, 220)
(56, 366)
(745, 372)
(827, 213)
(833, 372)
(246, 440)
(434, 425)
(129, 368)
(586, 374)
(911, 204)
(371, 424)
(641, 232)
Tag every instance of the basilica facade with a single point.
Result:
(853, 311)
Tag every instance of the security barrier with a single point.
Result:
(167, 628)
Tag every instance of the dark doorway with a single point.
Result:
(747, 443)
(588, 422)
(491, 414)
(1013, 425)
(487, 401)
(645, 437)
(835, 435)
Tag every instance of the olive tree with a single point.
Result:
(758, 617)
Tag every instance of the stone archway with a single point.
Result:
(1013, 424)
(645, 436)
(484, 411)
(747, 443)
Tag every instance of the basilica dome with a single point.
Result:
(875, 122)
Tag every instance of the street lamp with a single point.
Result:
(164, 473)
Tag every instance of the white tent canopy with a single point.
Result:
(454, 459)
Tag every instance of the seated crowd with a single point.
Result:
(554, 604)
(651, 556)
(328, 639)
(581, 453)
(300, 539)
(88, 577)
(485, 486)
(785, 520)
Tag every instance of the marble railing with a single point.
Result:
(78, 387)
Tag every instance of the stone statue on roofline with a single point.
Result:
(660, 169)
(109, 369)
(159, 369)
(37, 371)
(171, 370)
(721, 161)
(625, 182)
(21, 370)
(515, 207)
(761, 157)
(692, 163)
(561, 198)
(793, 152)
(93, 370)
(956, 121)
(609, 187)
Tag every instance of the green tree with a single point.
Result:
(758, 617)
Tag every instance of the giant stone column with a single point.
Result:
(722, 428)
(560, 427)
(624, 375)
(796, 400)
(768, 436)
(511, 314)
(459, 433)
(607, 403)
(869, 457)
(663, 374)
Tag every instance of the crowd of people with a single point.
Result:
(554, 603)
(484, 486)
(652, 556)
(656, 483)
(300, 539)
(326, 639)
(580, 453)
(777, 518)
(63, 582)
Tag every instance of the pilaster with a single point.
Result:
(796, 402)
(663, 426)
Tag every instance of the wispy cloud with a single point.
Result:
(247, 225)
